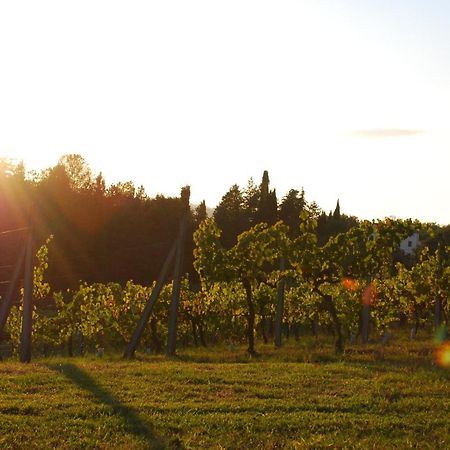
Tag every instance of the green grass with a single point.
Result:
(301, 396)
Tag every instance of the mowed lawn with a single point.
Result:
(298, 397)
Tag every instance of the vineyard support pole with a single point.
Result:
(25, 347)
(7, 301)
(132, 346)
(438, 300)
(280, 306)
(365, 323)
(366, 312)
(173, 312)
(437, 312)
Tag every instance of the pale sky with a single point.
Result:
(349, 99)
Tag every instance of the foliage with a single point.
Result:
(109, 235)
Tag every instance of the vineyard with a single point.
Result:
(223, 225)
(267, 326)
(357, 287)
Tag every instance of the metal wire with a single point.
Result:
(3, 233)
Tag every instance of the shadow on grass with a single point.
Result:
(133, 423)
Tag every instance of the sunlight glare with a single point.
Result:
(350, 284)
(443, 355)
(369, 295)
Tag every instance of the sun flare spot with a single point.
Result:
(370, 294)
(350, 284)
(443, 355)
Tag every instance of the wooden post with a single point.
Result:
(437, 312)
(440, 253)
(280, 306)
(366, 312)
(173, 312)
(365, 323)
(25, 347)
(129, 352)
(5, 307)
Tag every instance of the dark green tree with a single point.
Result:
(267, 210)
(200, 214)
(230, 216)
(337, 211)
(292, 204)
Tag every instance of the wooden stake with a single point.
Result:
(437, 312)
(5, 307)
(365, 323)
(280, 307)
(129, 352)
(173, 312)
(25, 347)
(438, 300)
(365, 319)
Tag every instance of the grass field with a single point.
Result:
(301, 396)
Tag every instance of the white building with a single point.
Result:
(409, 245)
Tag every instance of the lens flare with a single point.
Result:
(441, 334)
(369, 295)
(350, 284)
(443, 355)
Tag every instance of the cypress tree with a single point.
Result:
(267, 210)
(337, 211)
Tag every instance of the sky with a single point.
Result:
(346, 99)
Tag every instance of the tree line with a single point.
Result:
(100, 233)
(258, 265)
(118, 233)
